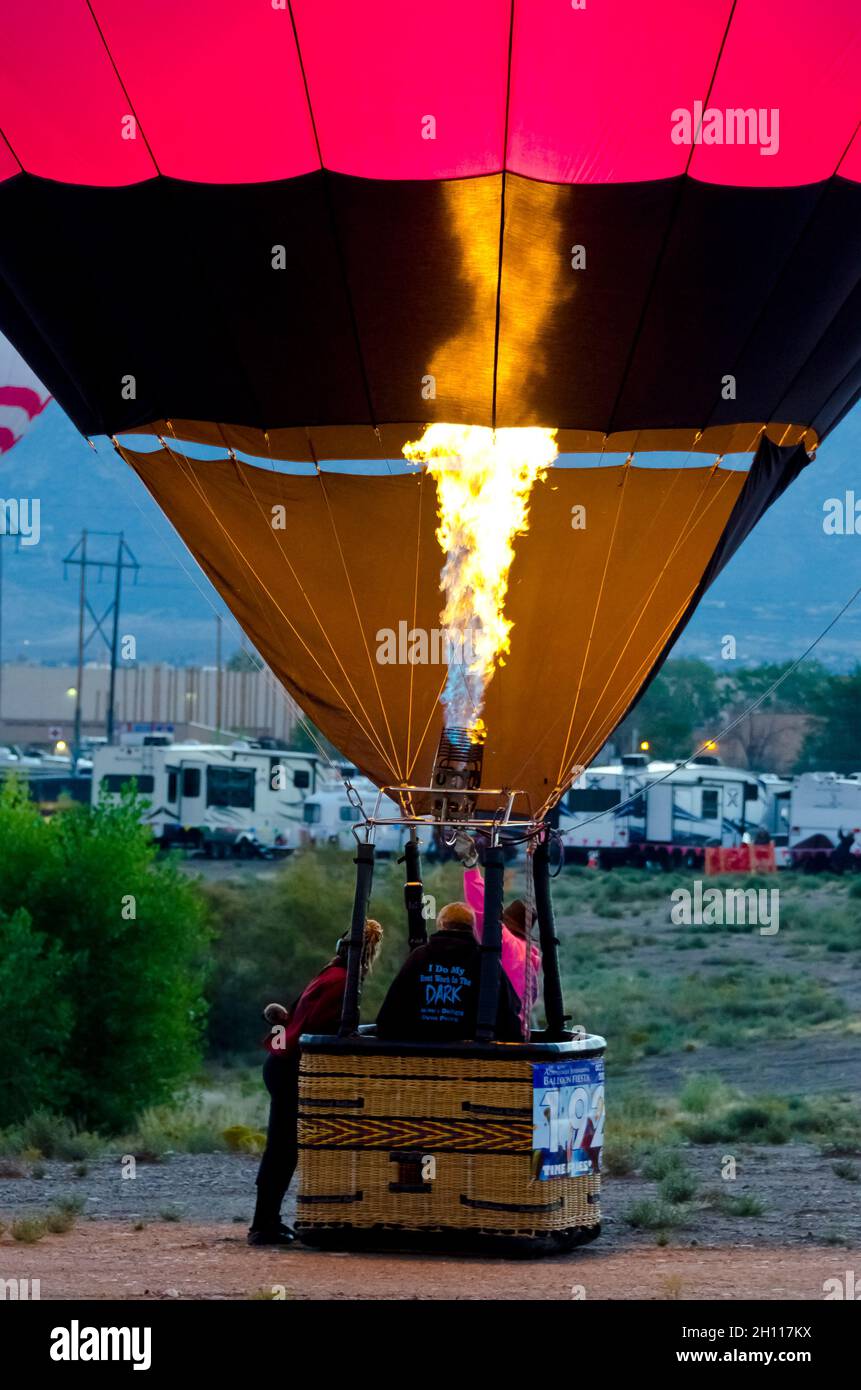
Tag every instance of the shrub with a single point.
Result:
(701, 1094)
(650, 1215)
(678, 1186)
(618, 1160)
(240, 1139)
(745, 1204)
(60, 1222)
(55, 1136)
(107, 963)
(660, 1162)
(74, 1205)
(765, 1122)
(28, 1229)
(36, 1013)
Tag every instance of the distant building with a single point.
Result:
(38, 701)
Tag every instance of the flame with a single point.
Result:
(484, 479)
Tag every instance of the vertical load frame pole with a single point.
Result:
(491, 944)
(364, 862)
(414, 893)
(554, 1008)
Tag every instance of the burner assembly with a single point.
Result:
(456, 776)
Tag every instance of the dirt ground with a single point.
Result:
(178, 1231)
(106, 1260)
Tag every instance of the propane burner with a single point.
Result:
(456, 775)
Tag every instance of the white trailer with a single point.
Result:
(639, 812)
(224, 799)
(824, 823)
(329, 818)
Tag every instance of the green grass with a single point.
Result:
(744, 1204)
(659, 1163)
(776, 1120)
(669, 1006)
(651, 1013)
(650, 1214)
(678, 1186)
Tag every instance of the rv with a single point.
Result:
(824, 822)
(329, 818)
(224, 799)
(640, 812)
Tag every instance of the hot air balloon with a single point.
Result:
(480, 238)
(22, 396)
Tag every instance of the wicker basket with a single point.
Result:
(415, 1138)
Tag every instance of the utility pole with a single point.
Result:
(3, 534)
(218, 710)
(79, 685)
(115, 637)
(125, 560)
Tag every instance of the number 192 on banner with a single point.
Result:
(567, 1118)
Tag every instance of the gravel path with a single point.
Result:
(802, 1197)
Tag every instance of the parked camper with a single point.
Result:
(329, 818)
(639, 812)
(224, 799)
(825, 822)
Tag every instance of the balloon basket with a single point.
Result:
(414, 1145)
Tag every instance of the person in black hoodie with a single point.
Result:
(434, 997)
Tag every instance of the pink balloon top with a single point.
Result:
(223, 92)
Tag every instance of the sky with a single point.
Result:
(775, 597)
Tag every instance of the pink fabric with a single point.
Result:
(377, 70)
(803, 60)
(22, 396)
(513, 947)
(592, 90)
(218, 89)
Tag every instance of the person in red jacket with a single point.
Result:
(317, 1010)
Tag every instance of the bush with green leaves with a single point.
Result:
(103, 956)
(36, 1015)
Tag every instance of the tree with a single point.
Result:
(115, 943)
(834, 742)
(244, 660)
(36, 1017)
(305, 737)
(683, 697)
(805, 687)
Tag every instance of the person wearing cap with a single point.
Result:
(317, 1010)
(434, 997)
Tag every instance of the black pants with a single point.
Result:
(278, 1164)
